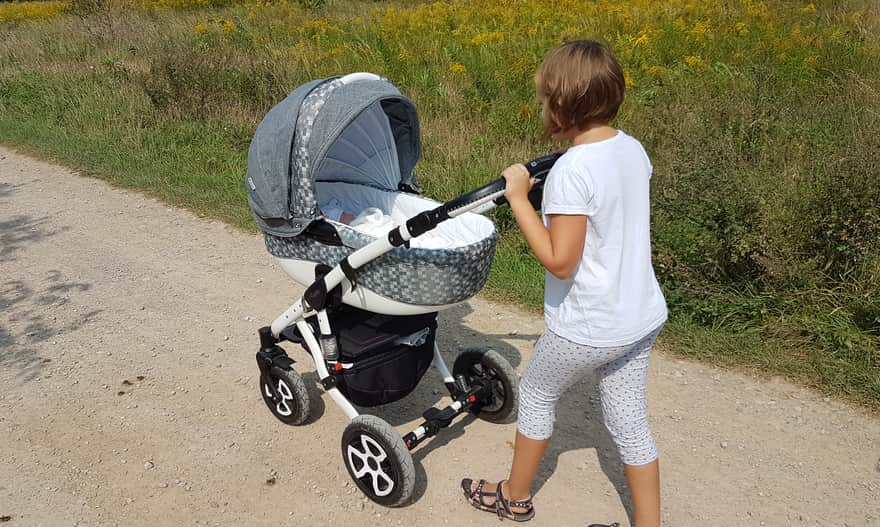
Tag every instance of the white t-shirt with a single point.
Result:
(613, 297)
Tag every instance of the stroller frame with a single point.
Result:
(481, 381)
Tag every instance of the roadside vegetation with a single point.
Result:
(762, 119)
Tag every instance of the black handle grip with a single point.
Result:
(538, 169)
(540, 166)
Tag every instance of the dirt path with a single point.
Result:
(128, 396)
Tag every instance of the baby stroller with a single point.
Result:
(368, 316)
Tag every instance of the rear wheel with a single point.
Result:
(378, 461)
(291, 406)
(483, 365)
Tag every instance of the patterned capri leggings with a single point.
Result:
(557, 363)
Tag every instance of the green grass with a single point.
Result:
(761, 120)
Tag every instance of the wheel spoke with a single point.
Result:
(371, 446)
(365, 468)
(284, 390)
(378, 476)
(283, 408)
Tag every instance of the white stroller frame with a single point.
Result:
(482, 381)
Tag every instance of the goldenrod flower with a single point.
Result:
(457, 68)
(491, 36)
(16, 11)
(700, 29)
(693, 61)
(227, 26)
(642, 40)
(656, 71)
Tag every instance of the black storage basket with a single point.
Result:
(388, 355)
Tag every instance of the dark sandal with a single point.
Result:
(478, 492)
(615, 524)
(502, 507)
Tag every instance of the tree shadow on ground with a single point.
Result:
(27, 302)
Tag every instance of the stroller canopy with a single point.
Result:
(352, 129)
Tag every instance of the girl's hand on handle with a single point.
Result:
(518, 182)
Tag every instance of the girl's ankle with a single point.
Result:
(513, 494)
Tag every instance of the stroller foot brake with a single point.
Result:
(435, 418)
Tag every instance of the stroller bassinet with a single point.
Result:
(355, 140)
(368, 314)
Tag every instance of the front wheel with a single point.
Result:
(378, 461)
(482, 365)
(290, 403)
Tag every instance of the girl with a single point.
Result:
(603, 307)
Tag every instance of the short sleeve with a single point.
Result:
(647, 161)
(569, 190)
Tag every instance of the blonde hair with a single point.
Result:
(580, 83)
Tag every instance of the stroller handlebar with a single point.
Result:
(538, 169)
(478, 200)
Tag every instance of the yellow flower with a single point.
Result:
(693, 61)
(809, 8)
(680, 23)
(782, 57)
(200, 27)
(491, 36)
(227, 26)
(17, 11)
(741, 28)
(811, 60)
(700, 29)
(404, 55)
(457, 68)
(627, 78)
(642, 40)
(656, 71)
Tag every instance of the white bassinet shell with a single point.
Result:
(405, 280)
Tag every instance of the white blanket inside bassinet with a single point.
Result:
(394, 208)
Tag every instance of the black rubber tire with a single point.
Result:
(481, 364)
(370, 443)
(293, 409)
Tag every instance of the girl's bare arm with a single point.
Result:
(559, 248)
